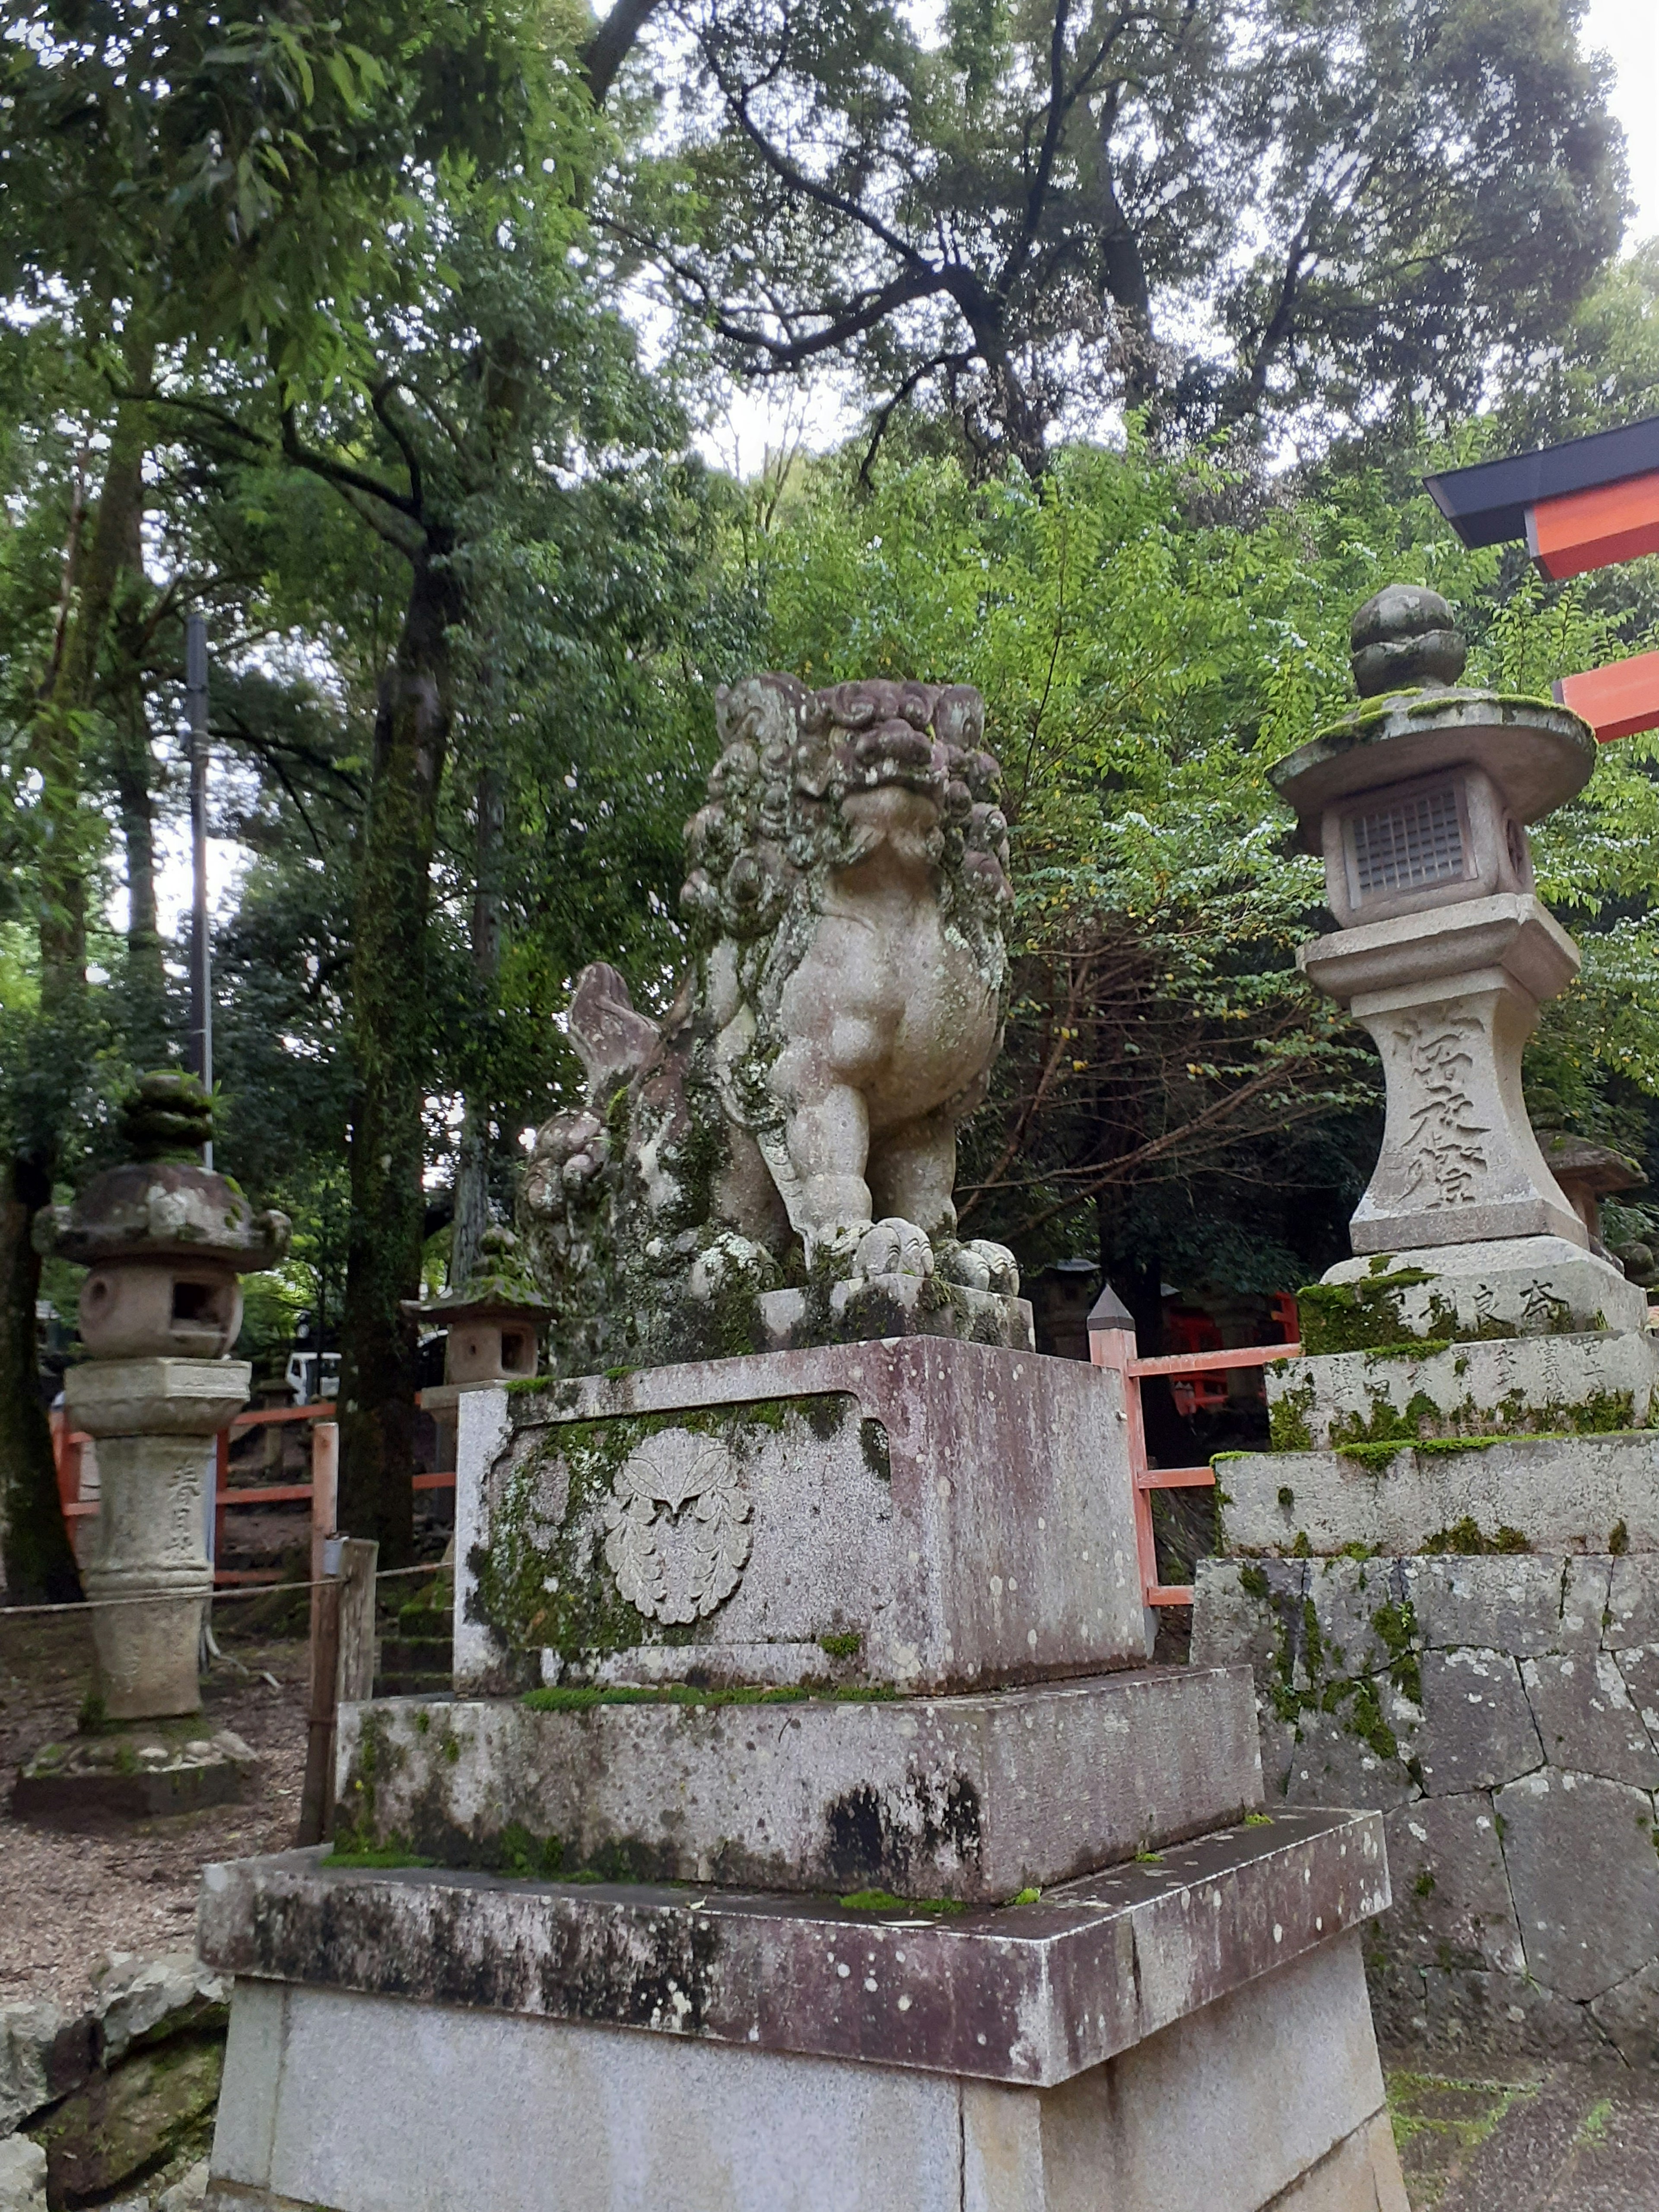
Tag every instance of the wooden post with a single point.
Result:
(325, 1488)
(355, 1675)
(317, 1796)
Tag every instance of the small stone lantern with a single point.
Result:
(495, 1321)
(164, 1241)
(1587, 1173)
(1418, 802)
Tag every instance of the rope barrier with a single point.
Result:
(74, 1607)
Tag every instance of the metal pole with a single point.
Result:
(201, 977)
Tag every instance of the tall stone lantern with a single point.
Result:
(165, 1240)
(1418, 802)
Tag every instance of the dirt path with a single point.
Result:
(70, 1895)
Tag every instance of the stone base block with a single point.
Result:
(1189, 2038)
(896, 1305)
(1550, 1384)
(136, 1773)
(975, 1798)
(917, 1513)
(1584, 1493)
(1502, 1286)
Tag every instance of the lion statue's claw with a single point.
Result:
(893, 1247)
(979, 1265)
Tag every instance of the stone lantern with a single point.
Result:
(1418, 802)
(164, 1240)
(494, 1322)
(1587, 1173)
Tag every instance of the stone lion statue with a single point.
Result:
(796, 1109)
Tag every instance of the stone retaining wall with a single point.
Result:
(1503, 1713)
(114, 2105)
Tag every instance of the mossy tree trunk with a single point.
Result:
(390, 1047)
(39, 1559)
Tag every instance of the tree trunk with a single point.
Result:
(39, 1559)
(40, 1562)
(146, 972)
(472, 1164)
(389, 1041)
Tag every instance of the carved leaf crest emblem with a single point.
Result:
(677, 1527)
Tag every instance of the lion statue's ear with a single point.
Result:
(613, 1041)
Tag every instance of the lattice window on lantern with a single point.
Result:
(1414, 841)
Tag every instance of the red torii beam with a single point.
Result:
(1587, 503)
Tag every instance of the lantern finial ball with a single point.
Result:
(1404, 637)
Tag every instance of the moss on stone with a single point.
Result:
(1465, 1539)
(1288, 1427)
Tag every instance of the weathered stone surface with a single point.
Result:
(844, 899)
(22, 2175)
(188, 2192)
(1450, 999)
(549, 2117)
(1246, 1609)
(144, 2000)
(28, 2032)
(1452, 1903)
(1362, 2172)
(1512, 1602)
(152, 1417)
(963, 1513)
(1347, 1596)
(1571, 1494)
(896, 1305)
(1054, 1987)
(1585, 1879)
(975, 1797)
(1484, 2012)
(1501, 1387)
(121, 2125)
(1587, 1719)
(1639, 1665)
(1331, 1765)
(1633, 1602)
(1478, 1728)
(1628, 2015)
(1520, 1285)
(137, 1772)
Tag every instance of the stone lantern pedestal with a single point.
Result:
(164, 1241)
(1445, 1574)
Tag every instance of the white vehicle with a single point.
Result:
(301, 1377)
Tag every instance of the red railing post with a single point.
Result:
(1112, 1345)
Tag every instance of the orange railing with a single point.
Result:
(321, 1492)
(1112, 1345)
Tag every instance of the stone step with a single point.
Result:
(1506, 1493)
(973, 1798)
(1583, 1384)
(1036, 1993)
(413, 1683)
(1517, 1286)
(418, 1655)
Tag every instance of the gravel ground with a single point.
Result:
(72, 1894)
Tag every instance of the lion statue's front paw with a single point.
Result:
(979, 1265)
(893, 1247)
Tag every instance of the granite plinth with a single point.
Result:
(1497, 1387)
(971, 1797)
(136, 1772)
(870, 1307)
(1546, 1493)
(1505, 1287)
(1033, 1994)
(328, 2102)
(913, 1513)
